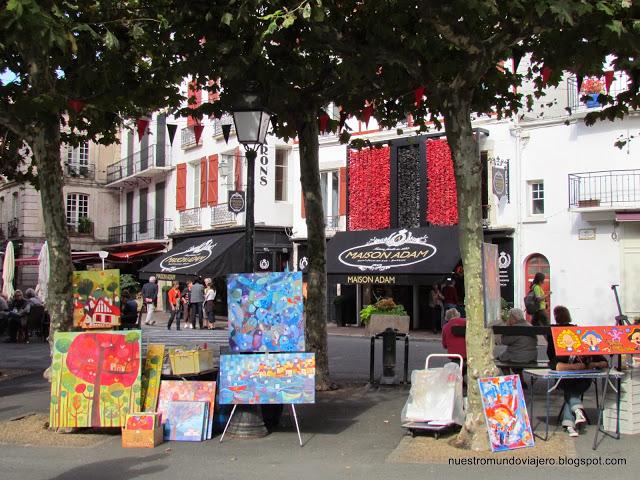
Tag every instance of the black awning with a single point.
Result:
(393, 256)
(203, 256)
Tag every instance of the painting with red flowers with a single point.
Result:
(369, 189)
(442, 200)
(95, 380)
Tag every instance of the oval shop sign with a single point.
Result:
(188, 258)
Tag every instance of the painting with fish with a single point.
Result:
(267, 378)
(265, 312)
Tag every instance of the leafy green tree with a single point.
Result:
(80, 68)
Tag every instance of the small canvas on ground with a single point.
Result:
(267, 378)
(265, 312)
(186, 421)
(180, 390)
(506, 413)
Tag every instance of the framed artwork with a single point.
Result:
(96, 298)
(265, 312)
(151, 376)
(95, 378)
(609, 340)
(505, 413)
(186, 421)
(267, 378)
(180, 390)
(491, 285)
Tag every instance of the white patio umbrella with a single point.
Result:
(43, 272)
(8, 268)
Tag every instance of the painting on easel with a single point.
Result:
(96, 298)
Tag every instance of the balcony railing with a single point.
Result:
(331, 224)
(220, 215)
(154, 229)
(83, 227)
(574, 102)
(217, 127)
(188, 138)
(13, 228)
(154, 156)
(86, 172)
(190, 218)
(613, 188)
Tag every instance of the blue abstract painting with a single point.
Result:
(267, 378)
(505, 412)
(265, 312)
(186, 421)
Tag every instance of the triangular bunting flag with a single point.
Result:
(579, 80)
(517, 56)
(171, 127)
(226, 131)
(546, 74)
(417, 96)
(323, 122)
(142, 127)
(343, 119)
(634, 82)
(197, 132)
(367, 112)
(608, 80)
(274, 122)
(76, 105)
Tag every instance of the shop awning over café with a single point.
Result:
(202, 256)
(395, 256)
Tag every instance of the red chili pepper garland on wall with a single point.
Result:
(442, 200)
(369, 189)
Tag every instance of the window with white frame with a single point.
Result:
(77, 207)
(78, 155)
(15, 206)
(282, 162)
(536, 191)
(330, 185)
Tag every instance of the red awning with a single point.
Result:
(627, 216)
(134, 253)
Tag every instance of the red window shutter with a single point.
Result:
(203, 182)
(195, 93)
(212, 180)
(342, 192)
(238, 169)
(181, 187)
(303, 213)
(213, 96)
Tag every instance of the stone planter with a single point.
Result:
(379, 323)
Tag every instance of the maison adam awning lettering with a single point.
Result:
(203, 256)
(394, 256)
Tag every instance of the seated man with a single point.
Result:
(454, 344)
(573, 416)
(129, 312)
(520, 348)
(18, 311)
(4, 312)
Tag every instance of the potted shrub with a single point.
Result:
(85, 225)
(384, 314)
(592, 87)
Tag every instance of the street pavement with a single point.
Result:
(348, 433)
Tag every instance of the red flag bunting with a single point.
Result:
(546, 74)
(197, 131)
(323, 122)
(579, 80)
(76, 105)
(417, 95)
(142, 127)
(608, 80)
(367, 112)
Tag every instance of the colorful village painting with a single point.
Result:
(95, 378)
(506, 413)
(96, 298)
(600, 340)
(267, 378)
(265, 312)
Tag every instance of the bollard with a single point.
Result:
(388, 357)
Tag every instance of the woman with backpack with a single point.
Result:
(536, 302)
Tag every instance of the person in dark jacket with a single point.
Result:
(129, 315)
(520, 348)
(195, 303)
(573, 416)
(150, 296)
(18, 311)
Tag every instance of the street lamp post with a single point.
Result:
(251, 121)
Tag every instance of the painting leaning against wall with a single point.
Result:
(95, 378)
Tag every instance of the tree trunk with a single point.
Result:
(479, 340)
(316, 305)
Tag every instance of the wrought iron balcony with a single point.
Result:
(190, 219)
(153, 229)
(332, 224)
(153, 159)
(13, 230)
(220, 215)
(83, 227)
(85, 172)
(606, 189)
(574, 98)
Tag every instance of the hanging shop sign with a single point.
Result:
(500, 177)
(236, 201)
(399, 249)
(505, 267)
(189, 258)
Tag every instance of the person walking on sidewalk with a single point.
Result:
(209, 304)
(150, 296)
(540, 318)
(173, 296)
(195, 303)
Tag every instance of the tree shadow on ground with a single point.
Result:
(123, 468)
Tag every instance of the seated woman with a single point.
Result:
(573, 415)
(520, 348)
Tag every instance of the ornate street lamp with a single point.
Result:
(251, 121)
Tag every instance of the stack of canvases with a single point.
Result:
(266, 316)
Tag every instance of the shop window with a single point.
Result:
(538, 263)
(282, 162)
